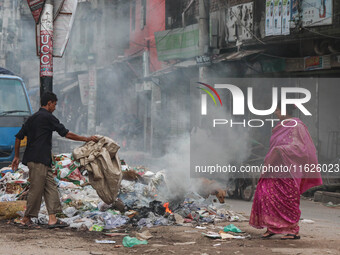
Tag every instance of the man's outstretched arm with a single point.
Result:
(16, 160)
(76, 137)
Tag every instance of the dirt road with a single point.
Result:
(320, 237)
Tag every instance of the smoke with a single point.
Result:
(206, 145)
(153, 127)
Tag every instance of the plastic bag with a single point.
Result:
(232, 228)
(114, 221)
(70, 211)
(132, 241)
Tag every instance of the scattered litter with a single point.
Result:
(146, 235)
(229, 236)
(105, 241)
(96, 228)
(178, 218)
(232, 228)
(185, 243)
(307, 221)
(146, 200)
(218, 244)
(212, 235)
(115, 234)
(95, 253)
(132, 241)
(224, 235)
(158, 245)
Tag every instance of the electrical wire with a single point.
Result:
(318, 33)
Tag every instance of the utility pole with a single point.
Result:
(92, 104)
(203, 37)
(203, 42)
(46, 48)
(148, 99)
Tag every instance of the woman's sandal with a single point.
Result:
(268, 234)
(290, 237)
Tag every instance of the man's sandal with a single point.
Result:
(28, 225)
(290, 237)
(58, 224)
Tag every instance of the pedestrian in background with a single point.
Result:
(277, 197)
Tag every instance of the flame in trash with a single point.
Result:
(166, 205)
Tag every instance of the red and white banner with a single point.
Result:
(62, 27)
(36, 7)
(46, 41)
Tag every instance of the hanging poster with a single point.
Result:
(240, 22)
(285, 16)
(277, 17)
(294, 12)
(269, 17)
(317, 12)
(313, 12)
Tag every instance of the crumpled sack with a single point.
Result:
(103, 165)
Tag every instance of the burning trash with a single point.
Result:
(142, 198)
(166, 206)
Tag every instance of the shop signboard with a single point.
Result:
(177, 43)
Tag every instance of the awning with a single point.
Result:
(235, 55)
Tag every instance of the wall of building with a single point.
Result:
(142, 30)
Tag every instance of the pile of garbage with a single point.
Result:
(145, 199)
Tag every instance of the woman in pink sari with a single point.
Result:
(277, 197)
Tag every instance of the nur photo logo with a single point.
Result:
(240, 101)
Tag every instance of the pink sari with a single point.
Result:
(277, 197)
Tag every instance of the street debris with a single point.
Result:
(105, 241)
(229, 232)
(232, 228)
(307, 221)
(132, 241)
(146, 235)
(89, 204)
(185, 243)
(212, 235)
